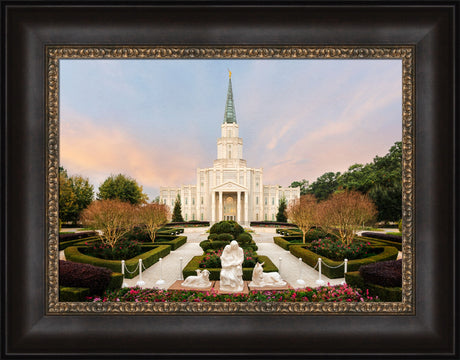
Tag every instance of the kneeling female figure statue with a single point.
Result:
(231, 275)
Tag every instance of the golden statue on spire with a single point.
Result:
(229, 74)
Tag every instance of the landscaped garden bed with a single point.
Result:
(150, 255)
(383, 279)
(271, 224)
(191, 223)
(77, 281)
(383, 253)
(65, 244)
(339, 293)
(380, 241)
(294, 237)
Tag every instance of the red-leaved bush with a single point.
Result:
(73, 274)
(384, 273)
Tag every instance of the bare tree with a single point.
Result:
(153, 216)
(304, 213)
(113, 217)
(345, 211)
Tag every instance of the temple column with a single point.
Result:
(238, 206)
(221, 208)
(213, 206)
(246, 211)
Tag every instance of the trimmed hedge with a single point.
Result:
(72, 274)
(174, 241)
(384, 273)
(288, 232)
(379, 242)
(214, 273)
(77, 235)
(383, 236)
(193, 223)
(67, 293)
(390, 294)
(151, 255)
(295, 238)
(310, 258)
(286, 241)
(65, 244)
(218, 244)
(271, 223)
(227, 227)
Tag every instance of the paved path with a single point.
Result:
(170, 267)
(171, 271)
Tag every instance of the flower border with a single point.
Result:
(404, 53)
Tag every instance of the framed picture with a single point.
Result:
(57, 46)
(231, 190)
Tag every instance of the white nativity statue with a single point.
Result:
(261, 279)
(201, 280)
(231, 275)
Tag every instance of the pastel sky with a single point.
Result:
(159, 120)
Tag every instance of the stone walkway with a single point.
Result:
(290, 268)
(264, 239)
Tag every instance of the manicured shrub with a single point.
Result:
(214, 245)
(75, 236)
(244, 239)
(334, 270)
(125, 249)
(225, 237)
(379, 242)
(400, 225)
(138, 233)
(172, 240)
(384, 273)
(67, 293)
(271, 223)
(151, 254)
(383, 236)
(65, 244)
(230, 227)
(355, 280)
(95, 278)
(213, 236)
(191, 223)
(337, 250)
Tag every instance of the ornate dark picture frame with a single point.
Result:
(405, 54)
(35, 325)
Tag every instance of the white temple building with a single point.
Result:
(230, 190)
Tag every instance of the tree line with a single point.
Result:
(76, 193)
(381, 180)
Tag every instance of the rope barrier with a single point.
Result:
(132, 272)
(334, 267)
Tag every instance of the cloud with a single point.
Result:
(96, 151)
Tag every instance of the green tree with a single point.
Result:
(388, 201)
(302, 184)
(281, 216)
(177, 212)
(122, 187)
(75, 194)
(324, 185)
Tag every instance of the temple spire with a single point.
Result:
(230, 116)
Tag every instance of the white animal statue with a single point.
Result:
(231, 275)
(261, 279)
(201, 280)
